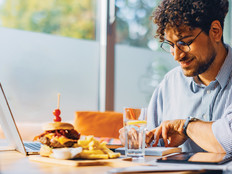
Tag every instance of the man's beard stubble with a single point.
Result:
(202, 66)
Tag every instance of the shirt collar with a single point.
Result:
(194, 86)
(226, 69)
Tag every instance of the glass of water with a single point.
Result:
(135, 124)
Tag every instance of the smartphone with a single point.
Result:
(197, 158)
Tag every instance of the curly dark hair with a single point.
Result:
(192, 13)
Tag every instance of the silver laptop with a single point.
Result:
(11, 132)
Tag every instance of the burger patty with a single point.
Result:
(54, 143)
(71, 134)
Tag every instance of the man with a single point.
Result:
(192, 31)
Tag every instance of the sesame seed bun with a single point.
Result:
(57, 125)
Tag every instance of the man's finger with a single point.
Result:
(165, 135)
(121, 130)
(122, 136)
(157, 135)
(149, 137)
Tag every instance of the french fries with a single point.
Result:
(93, 149)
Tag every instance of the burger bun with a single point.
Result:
(57, 126)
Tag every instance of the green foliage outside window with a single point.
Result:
(134, 23)
(69, 18)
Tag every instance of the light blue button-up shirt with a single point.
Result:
(178, 97)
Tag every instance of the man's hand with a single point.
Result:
(132, 136)
(170, 130)
(148, 140)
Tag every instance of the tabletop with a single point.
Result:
(15, 162)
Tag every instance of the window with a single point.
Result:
(75, 19)
(45, 50)
(52, 46)
(140, 65)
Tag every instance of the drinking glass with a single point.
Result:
(135, 124)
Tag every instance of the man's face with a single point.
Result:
(201, 54)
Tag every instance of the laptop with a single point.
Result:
(11, 132)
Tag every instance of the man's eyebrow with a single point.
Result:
(167, 41)
(180, 38)
(185, 37)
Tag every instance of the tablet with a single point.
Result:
(197, 158)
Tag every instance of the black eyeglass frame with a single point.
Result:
(182, 43)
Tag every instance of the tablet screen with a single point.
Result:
(200, 158)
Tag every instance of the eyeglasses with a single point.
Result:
(185, 47)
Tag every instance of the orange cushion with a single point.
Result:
(98, 124)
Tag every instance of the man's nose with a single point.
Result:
(177, 53)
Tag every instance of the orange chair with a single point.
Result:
(98, 124)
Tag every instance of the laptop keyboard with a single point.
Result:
(32, 146)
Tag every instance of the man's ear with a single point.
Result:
(216, 31)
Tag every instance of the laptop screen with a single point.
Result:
(8, 124)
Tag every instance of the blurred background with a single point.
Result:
(54, 46)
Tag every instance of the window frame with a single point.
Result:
(106, 30)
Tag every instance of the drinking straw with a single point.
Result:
(132, 114)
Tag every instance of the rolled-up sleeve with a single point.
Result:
(222, 130)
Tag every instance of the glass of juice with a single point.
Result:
(135, 126)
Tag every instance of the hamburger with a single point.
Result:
(57, 135)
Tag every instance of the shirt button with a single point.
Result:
(205, 117)
(208, 91)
